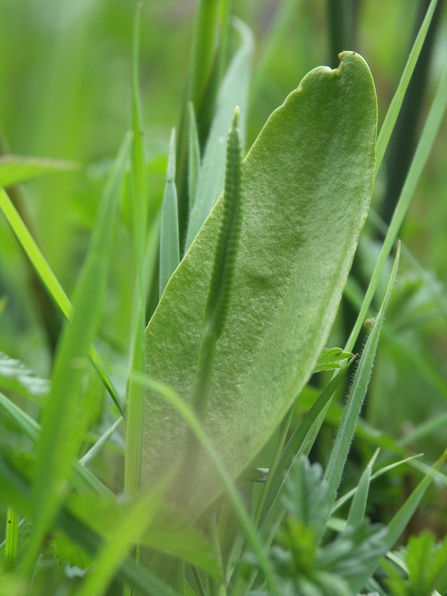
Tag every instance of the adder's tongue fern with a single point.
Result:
(218, 299)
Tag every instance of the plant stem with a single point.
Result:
(11, 546)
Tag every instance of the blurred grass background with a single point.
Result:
(65, 93)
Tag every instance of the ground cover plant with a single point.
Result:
(188, 330)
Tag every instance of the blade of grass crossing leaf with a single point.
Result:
(423, 150)
(169, 231)
(193, 157)
(81, 478)
(396, 103)
(358, 505)
(51, 284)
(233, 92)
(401, 519)
(346, 430)
(60, 435)
(10, 560)
(193, 422)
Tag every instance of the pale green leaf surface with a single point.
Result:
(15, 169)
(234, 92)
(308, 181)
(193, 156)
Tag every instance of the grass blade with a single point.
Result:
(93, 452)
(60, 436)
(15, 169)
(346, 430)
(169, 231)
(11, 542)
(51, 284)
(233, 92)
(396, 103)
(193, 157)
(423, 150)
(15, 376)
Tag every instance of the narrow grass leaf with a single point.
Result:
(60, 434)
(93, 452)
(193, 157)
(346, 430)
(358, 505)
(15, 376)
(11, 542)
(295, 444)
(233, 92)
(23, 528)
(51, 284)
(169, 231)
(16, 169)
(423, 150)
(396, 103)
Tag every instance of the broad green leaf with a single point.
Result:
(169, 231)
(61, 432)
(346, 430)
(15, 169)
(15, 376)
(234, 92)
(302, 219)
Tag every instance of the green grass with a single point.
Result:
(197, 283)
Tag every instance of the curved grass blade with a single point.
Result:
(51, 284)
(423, 150)
(169, 231)
(396, 103)
(16, 169)
(346, 430)
(233, 92)
(60, 436)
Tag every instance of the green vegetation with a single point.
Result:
(185, 327)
